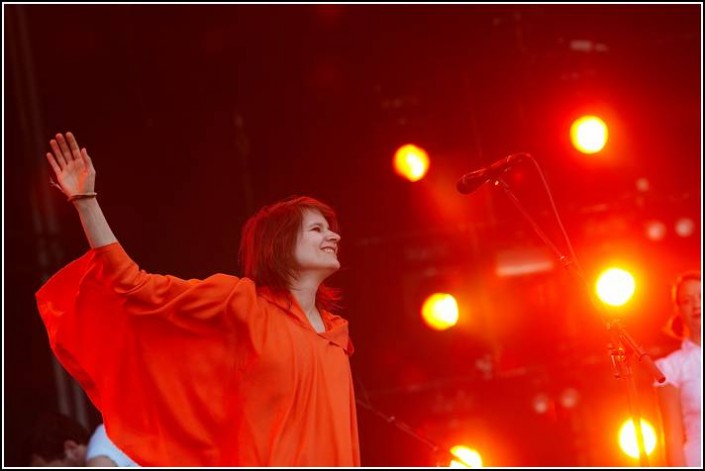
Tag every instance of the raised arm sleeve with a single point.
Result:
(152, 352)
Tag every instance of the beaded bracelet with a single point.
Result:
(81, 196)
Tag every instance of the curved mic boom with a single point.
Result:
(474, 180)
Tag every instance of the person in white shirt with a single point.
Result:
(57, 440)
(680, 396)
(103, 452)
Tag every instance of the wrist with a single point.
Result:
(84, 203)
(82, 196)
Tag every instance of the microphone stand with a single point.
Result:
(441, 454)
(622, 347)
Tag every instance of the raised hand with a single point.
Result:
(76, 176)
(72, 166)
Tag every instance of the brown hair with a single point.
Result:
(47, 437)
(268, 242)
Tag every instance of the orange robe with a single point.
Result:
(202, 372)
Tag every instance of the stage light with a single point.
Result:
(569, 398)
(523, 261)
(440, 311)
(411, 162)
(541, 403)
(655, 230)
(685, 227)
(615, 286)
(628, 440)
(589, 134)
(468, 457)
(643, 185)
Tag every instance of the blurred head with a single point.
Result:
(687, 301)
(56, 440)
(287, 238)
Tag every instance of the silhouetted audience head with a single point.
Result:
(55, 440)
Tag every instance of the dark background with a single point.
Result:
(196, 115)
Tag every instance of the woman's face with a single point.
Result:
(689, 304)
(316, 246)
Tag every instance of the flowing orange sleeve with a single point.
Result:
(152, 352)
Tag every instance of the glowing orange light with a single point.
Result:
(469, 457)
(615, 286)
(411, 162)
(588, 134)
(685, 227)
(440, 311)
(655, 230)
(628, 440)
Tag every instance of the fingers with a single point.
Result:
(57, 153)
(73, 146)
(86, 158)
(53, 163)
(66, 152)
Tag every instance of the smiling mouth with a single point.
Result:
(330, 250)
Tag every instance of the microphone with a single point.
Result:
(474, 180)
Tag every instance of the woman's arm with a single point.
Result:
(672, 420)
(144, 293)
(76, 176)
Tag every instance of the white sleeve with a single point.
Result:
(669, 367)
(101, 445)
